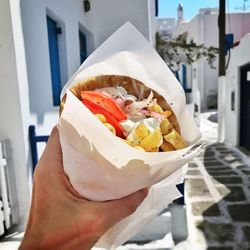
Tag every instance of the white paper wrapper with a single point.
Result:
(99, 165)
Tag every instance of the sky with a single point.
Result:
(168, 8)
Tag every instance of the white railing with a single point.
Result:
(8, 198)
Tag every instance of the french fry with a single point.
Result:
(139, 148)
(155, 108)
(110, 127)
(175, 139)
(101, 118)
(156, 149)
(152, 140)
(165, 126)
(127, 142)
(166, 146)
(174, 122)
(167, 113)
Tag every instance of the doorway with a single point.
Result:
(245, 107)
(83, 46)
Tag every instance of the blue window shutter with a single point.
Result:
(53, 32)
(83, 46)
(229, 42)
(184, 76)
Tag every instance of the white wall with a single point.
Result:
(111, 14)
(238, 24)
(203, 28)
(200, 29)
(13, 97)
(165, 27)
(239, 58)
(69, 16)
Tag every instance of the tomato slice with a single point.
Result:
(96, 109)
(106, 103)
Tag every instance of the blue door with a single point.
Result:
(83, 46)
(53, 32)
(245, 107)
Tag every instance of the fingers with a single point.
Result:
(116, 210)
(50, 167)
(53, 151)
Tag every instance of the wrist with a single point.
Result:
(29, 244)
(32, 240)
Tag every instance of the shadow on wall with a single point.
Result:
(227, 221)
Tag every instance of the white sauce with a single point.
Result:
(130, 126)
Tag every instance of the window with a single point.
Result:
(83, 46)
(53, 32)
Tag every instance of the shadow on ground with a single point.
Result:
(213, 117)
(226, 223)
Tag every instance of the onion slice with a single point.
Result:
(116, 92)
(136, 106)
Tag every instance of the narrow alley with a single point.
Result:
(217, 198)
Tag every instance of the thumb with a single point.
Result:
(53, 151)
(116, 210)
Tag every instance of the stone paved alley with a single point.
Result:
(217, 196)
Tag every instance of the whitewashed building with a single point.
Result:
(237, 108)
(42, 43)
(203, 29)
(166, 27)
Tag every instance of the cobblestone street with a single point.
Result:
(217, 196)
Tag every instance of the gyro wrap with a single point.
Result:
(99, 165)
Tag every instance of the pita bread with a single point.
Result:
(132, 86)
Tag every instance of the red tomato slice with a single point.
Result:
(96, 109)
(106, 103)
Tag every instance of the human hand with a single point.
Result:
(59, 218)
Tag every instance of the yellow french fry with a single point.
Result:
(175, 139)
(101, 117)
(155, 108)
(139, 148)
(127, 142)
(156, 149)
(110, 127)
(165, 126)
(166, 146)
(167, 113)
(152, 140)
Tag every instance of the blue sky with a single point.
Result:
(168, 8)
